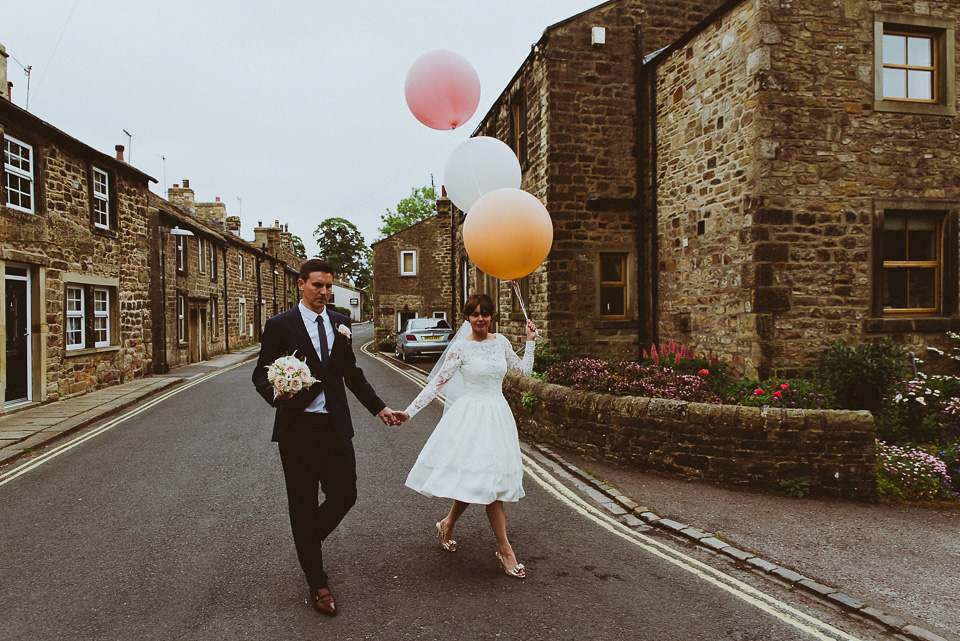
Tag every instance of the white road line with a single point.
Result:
(66, 446)
(751, 595)
(768, 604)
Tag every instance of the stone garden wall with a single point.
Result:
(833, 450)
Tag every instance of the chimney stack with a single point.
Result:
(183, 196)
(119, 149)
(4, 85)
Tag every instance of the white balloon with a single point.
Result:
(478, 166)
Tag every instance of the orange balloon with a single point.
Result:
(508, 233)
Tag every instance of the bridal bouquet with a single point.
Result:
(289, 374)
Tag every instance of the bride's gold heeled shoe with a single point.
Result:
(449, 546)
(518, 572)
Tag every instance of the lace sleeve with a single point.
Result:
(450, 367)
(514, 364)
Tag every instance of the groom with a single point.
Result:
(312, 427)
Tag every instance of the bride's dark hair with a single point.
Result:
(484, 302)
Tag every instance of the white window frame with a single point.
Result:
(403, 254)
(101, 316)
(214, 326)
(181, 318)
(202, 254)
(73, 316)
(442, 315)
(242, 312)
(17, 171)
(101, 199)
(240, 264)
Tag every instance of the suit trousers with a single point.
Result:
(315, 458)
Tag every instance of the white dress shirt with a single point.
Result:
(310, 322)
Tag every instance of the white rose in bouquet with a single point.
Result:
(289, 374)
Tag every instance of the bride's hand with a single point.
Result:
(531, 331)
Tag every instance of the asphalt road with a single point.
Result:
(173, 525)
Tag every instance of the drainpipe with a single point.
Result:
(226, 304)
(259, 306)
(647, 247)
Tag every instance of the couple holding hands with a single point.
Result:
(473, 455)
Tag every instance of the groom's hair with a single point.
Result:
(315, 265)
(484, 302)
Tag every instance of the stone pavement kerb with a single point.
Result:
(25, 430)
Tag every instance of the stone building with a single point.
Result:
(570, 113)
(213, 289)
(413, 274)
(74, 253)
(804, 178)
(752, 177)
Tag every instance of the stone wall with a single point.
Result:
(59, 244)
(774, 168)
(830, 159)
(581, 108)
(834, 450)
(707, 125)
(427, 291)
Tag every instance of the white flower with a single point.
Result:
(289, 374)
(344, 330)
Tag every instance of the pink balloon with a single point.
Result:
(442, 89)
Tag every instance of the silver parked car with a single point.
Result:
(422, 337)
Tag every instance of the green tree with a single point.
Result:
(341, 244)
(298, 247)
(420, 205)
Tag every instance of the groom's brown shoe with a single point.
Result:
(323, 602)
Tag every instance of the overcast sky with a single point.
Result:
(290, 110)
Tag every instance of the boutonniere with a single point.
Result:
(344, 331)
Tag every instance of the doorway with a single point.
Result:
(402, 319)
(17, 303)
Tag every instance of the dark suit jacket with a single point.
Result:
(285, 333)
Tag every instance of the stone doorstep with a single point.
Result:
(710, 542)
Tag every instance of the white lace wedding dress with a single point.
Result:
(473, 454)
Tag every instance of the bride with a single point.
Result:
(473, 455)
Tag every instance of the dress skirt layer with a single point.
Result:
(473, 454)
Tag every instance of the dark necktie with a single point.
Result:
(324, 350)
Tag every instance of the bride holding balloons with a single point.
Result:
(473, 454)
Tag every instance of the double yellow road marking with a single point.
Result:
(52, 453)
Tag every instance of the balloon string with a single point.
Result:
(477, 183)
(516, 290)
(523, 308)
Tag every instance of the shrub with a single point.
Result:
(792, 393)
(628, 378)
(860, 377)
(685, 360)
(949, 453)
(386, 345)
(548, 353)
(925, 409)
(910, 474)
(529, 401)
(795, 487)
